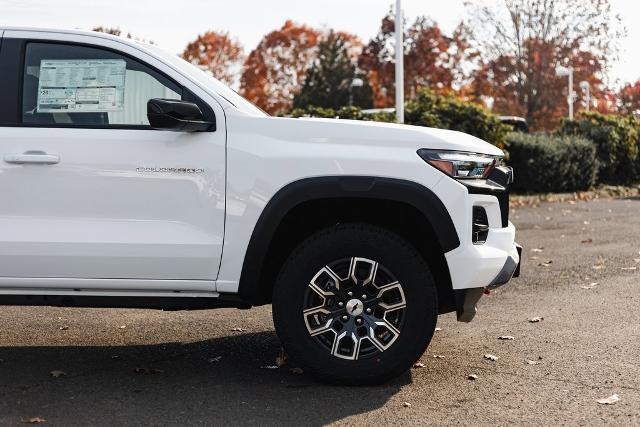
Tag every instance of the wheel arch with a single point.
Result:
(304, 206)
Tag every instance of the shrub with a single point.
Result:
(448, 112)
(324, 113)
(616, 140)
(548, 163)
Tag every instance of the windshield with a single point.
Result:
(211, 82)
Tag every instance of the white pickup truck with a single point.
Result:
(131, 178)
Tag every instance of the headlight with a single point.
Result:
(460, 164)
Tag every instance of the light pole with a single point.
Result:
(586, 89)
(399, 63)
(561, 72)
(355, 83)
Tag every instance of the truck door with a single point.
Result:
(90, 190)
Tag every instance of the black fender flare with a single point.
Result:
(332, 187)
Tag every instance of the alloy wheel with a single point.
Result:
(354, 308)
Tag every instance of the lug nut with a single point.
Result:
(364, 296)
(369, 311)
(350, 293)
(359, 321)
(340, 304)
(345, 318)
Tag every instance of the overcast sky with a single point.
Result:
(171, 24)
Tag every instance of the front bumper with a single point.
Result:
(481, 262)
(467, 299)
(510, 269)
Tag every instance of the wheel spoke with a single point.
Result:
(362, 271)
(399, 294)
(355, 346)
(324, 278)
(383, 334)
(314, 324)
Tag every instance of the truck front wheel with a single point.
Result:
(355, 304)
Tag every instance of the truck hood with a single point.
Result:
(376, 134)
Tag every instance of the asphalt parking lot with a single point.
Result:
(580, 274)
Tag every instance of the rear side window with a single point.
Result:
(67, 84)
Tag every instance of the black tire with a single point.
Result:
(396, 256)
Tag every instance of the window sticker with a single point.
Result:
(81, 85)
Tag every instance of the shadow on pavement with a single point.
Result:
(179, 384)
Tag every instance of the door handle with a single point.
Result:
(32, 157)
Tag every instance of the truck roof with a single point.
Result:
(73, 32)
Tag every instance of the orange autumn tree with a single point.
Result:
(531, 89)
(523, 41)
(218, 53)
(432, 59)
(629, 99)
(274, 71)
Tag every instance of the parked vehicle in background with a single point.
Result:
(519, 124)
(133, 179)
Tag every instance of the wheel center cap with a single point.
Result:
(355, 307)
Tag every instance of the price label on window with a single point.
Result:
(81, 85)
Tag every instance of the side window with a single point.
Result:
(77, 85)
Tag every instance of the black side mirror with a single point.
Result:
(176, 115)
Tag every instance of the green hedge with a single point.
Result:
(547, 163)
(448, 112)
(616, 140)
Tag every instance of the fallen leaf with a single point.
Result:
(281, 358)
(438, 329)
(215, 359)
(536, 319)
(238, 330)
(122, 327)
(437, 356)
(491, 357)
(406, 404)
(418, 365)
(545, 264)
(506, 338)
(590, 285)
(148, 371)
(537, 249)
(533, 362)
(33, 420)
(63, 328)
(472, 377)
(57, 374)
(589, 240)
(296, 371)
(611, 400)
